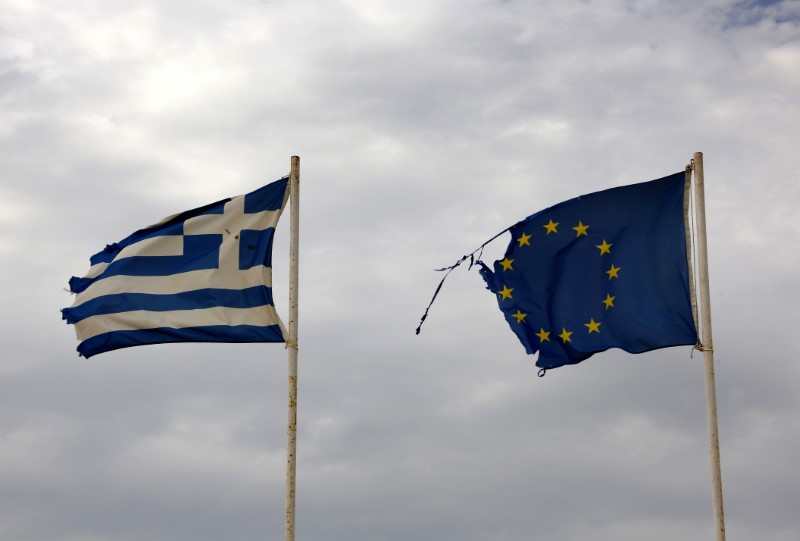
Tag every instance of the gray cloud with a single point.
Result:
(423, 130)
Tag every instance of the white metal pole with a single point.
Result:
(708, 351)
(291, 343)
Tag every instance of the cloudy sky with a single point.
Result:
(423, 129)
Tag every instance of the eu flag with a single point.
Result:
(604, 270)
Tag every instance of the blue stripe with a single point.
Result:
(255, 248)
(189, 300)
(165, 335)
(107, 255)
(200, 252)
(270, 197)
(79, 283)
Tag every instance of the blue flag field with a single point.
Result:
(604, 270)
(203, 275)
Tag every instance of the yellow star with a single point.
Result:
(612, 272)
(581, 229)
(594, 326)
(565, 334)
(551, 227)
(524, 240)
(609, 300)
(543, 335)
(506, 264)
(519, 315)
(506, 293)
(605, 248)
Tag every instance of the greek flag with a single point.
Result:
(203, 275)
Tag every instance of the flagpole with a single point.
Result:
(708, 350)
(291, 343)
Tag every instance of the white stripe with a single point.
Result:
(154, 246)
(177, 283)
(233, 221)
(95, 270)
(261, 316)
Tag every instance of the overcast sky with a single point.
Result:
(423, 129)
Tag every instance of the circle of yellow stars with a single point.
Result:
(604, 248)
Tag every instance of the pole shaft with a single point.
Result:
(294, 264)
(708, 351)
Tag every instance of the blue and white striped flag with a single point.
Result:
(203, 275)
